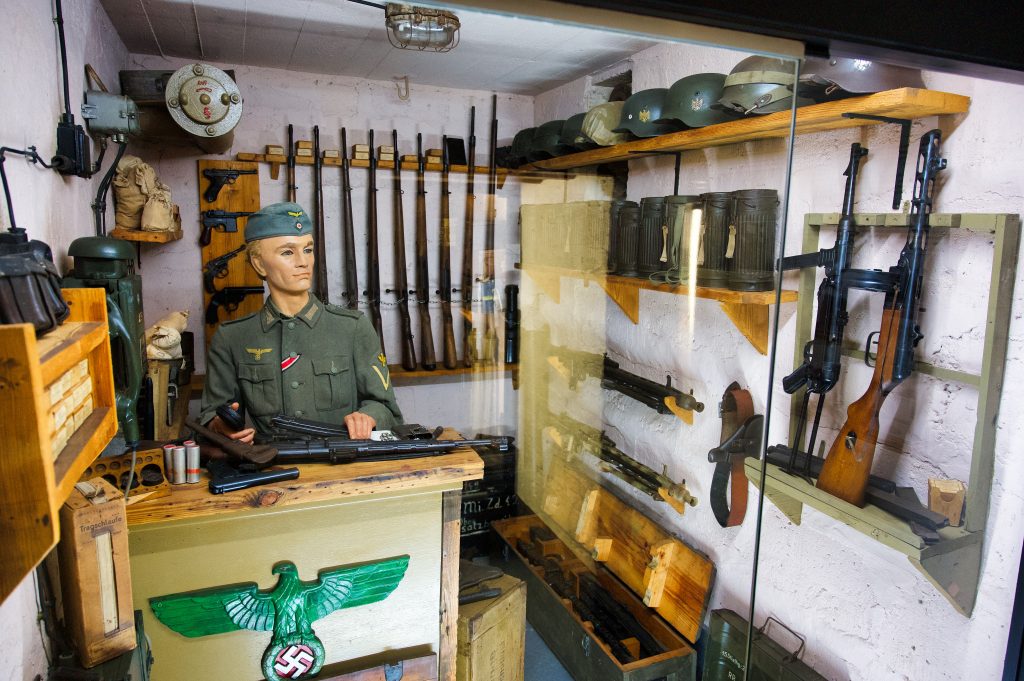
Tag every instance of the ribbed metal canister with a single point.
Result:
(712, 268)
(627, 245)
(755, 217)
(613, 231)
(653, 235)
(679, 214)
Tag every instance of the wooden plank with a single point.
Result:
(243, 196)
(417, 669)
(316, 482)
(29, 529)
(451, 514)
(69, 347)
(909, 103)
(147, 237)
(628, 541)
(947, 497)
(82, 449)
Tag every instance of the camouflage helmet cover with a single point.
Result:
(599, 122)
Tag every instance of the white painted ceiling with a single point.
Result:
(345, 38)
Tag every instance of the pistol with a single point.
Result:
(224, 220)
(226, 478)
(217, 268)
(219, 178)
(229, 297)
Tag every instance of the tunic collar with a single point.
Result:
(310, 314)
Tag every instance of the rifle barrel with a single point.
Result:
(422, 263)
(291, 163)
(489, 353)
(348, 229)
(401, 279)
(320, 247)
(445, 284)
(469, 350)
(373, 257)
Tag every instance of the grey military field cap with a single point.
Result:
(278, 219)
(600, 122)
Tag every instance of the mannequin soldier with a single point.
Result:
(297, 356)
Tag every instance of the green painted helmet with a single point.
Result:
(760, 85)
(546, 141)
(690, 99)
(599, 122)
(642, 110)
(521, 144)
(572, 134)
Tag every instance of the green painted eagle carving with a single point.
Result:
(289, 610)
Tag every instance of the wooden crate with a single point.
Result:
(414, 669)
(96, 586)
(574, 642)
(492, 634)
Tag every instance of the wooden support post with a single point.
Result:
(451, 513)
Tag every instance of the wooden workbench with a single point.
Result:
(330, 516)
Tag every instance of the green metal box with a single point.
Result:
(726, 648)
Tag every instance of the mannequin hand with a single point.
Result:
(218, 426)
(359, 425)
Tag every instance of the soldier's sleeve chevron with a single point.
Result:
(354, 585)
(215, 611)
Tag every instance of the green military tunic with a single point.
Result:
(322, 364)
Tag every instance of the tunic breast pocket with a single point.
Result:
(332, 383)
(261, 388)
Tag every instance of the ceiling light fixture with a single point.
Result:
(419, 28)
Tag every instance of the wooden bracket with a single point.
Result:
(586, 526)
(625, 295)
(683, 414)
(602, 549)
(752, 322)
(662, 556)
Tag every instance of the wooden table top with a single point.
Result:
(317, 482)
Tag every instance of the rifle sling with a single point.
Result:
(737, 407)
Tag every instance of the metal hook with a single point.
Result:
(399, 80)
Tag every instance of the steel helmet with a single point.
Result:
(545, 141)
(760, 85)
(642, 110)
(689, 101)
(521, 144)
(599, 122)
(572, 134)
(835, 78)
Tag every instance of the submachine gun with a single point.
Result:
(575, 436)
(847, 467)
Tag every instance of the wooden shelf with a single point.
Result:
(35, 484)
(748, 310)
(276, 162)
(958, 546)
(906, 103)
(146, 237)
(400, 376)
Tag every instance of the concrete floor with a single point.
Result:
(541, 663)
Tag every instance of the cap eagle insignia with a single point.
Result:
(288, 610)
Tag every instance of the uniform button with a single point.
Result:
(293, 354)
(295, 384)
(291, 325)
(298, 412)
(334, 370)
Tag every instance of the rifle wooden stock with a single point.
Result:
(401, 280)
(373, 268)
(291, 163)
(422, 262)
(846, 469)
(320, 237)
(489, 354)
(469, 351)
(445, 283)
(348, 229)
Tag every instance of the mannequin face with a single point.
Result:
(286, 263)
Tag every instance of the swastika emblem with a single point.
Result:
(293, 661)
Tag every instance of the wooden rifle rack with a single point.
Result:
(953, 565)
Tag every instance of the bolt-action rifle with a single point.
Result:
(579, 437)
(422, 268)
(847, 467)
(445, 278)
(292, 187)
(348, 236)
(373, 258)
(319, 236)
(489, 354)
(401, 280)
(469, 350)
